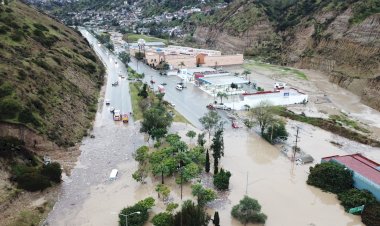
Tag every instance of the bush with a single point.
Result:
(355, 197)
(89, 55)
(26, 116)
(191, 214)
(248, 211)
(371, 214)
(6, 89)
(52, 171)
(9, 107)
(163, 219)
(33, 181)
(331, 177)
(136, 219)
(222, 180)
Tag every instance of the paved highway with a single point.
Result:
(118, 95)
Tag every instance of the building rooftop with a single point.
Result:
(223, 80)
(359, 164)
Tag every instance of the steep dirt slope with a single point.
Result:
(338, 37)
(50, 77)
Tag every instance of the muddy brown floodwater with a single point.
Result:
(88, 198)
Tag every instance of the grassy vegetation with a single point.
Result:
(329, 125)
(291, 71)
(49, 76)
(130, 37)
(344, 120)
(136, 99)
(137, 112)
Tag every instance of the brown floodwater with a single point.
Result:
(88, 198)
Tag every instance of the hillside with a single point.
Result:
(50, 77)
(339, 37)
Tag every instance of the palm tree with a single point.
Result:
(221, 95)
(182, 64)
(246, 72)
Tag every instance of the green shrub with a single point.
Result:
(163, 219)
(4, 29)
(33, 181)
(89, 55)
(27, 116)
(355, 197)
(248, 211)
(331, 177)
(371, 214)
(40, 27)
(9, 107)
(17, 36)
(6, 89)
(222, 180)
(191, 214)
(52, 171)
(136, 219)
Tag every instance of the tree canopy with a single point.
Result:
(210, 121)
(248, 211)
(331, 177)
(156, 122)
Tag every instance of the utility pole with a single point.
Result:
(246, 185)
(296, 143)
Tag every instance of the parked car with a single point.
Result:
(179, 87)
(115, 83)
(117, 115)
(210, 107)
(108, 102)
(125, 118)
(222, 107)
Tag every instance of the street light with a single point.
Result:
(126, 216)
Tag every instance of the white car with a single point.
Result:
(179, 87)
(172, 104)
(222, 107)
(108, 102)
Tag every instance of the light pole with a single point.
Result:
(126, 216)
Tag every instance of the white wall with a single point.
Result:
(255, 100)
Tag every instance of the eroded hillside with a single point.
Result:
(50, 77)
(338, 37)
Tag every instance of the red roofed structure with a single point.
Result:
(366, 172)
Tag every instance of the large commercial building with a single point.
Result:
(366, 172)
(186, 57)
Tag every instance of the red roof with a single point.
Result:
(359, 164)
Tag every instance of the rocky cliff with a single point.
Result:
(341, 38)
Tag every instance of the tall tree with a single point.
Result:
(248, 211)
(216, 220)
(201, 139)
(191, 215)
(264, 114)
(156, 122)
(191, 134)
(204, 195)
(207, 164)
(181, 64)
(222, 95)
(246, 72)
(210, 121)
(217, 147)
